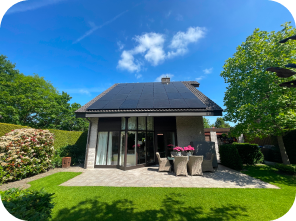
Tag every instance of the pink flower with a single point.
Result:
(178, 149)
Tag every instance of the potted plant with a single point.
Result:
(189, 149)
(178, 150)
(170, 147)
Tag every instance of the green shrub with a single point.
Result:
(230, 157)
(25, 152)
(1, 174)
(290, 169)
(250, 154)
(29, 205)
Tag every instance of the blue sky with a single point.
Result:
(84, 47)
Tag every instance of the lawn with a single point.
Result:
(136, 203)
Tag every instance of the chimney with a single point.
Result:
(165, 80)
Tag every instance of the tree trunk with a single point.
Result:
(284, 155)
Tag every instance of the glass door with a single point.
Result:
(166, 141)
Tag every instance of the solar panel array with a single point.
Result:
(148, 96)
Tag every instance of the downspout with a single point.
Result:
(87, 143)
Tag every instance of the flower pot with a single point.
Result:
(178, 153)
(189, 154)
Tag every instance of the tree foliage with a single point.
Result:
(35, 102)
(220, 123)
(207, 123)
(254, 98)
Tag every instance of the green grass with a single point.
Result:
(136, 203)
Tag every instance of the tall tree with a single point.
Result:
(33, 101)
(254, 98)
(207, 123)
(220, 123)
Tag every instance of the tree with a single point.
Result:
(254, 98)
(220, 123)
(33, 101)
(207, 123)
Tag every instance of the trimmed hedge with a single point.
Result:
(250, 154)
(29, 205)
(290, 169)
(230, 157)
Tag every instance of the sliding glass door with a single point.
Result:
(107, 148)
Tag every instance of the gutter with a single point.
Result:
(87, 144)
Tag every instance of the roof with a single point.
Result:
(153, 97)
(221, 130)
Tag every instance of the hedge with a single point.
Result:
(250, 154)
(230, 157)
(29, 205)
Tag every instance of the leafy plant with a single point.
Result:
(29, 205)
(250, 154)
(230, 157)
(290, 169)
(25, 152)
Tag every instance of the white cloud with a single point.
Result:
(153, 44)
(199, 78)
(138, 76)
(149, 44)
(94, 27)
(127, 62)
(86, 91)
(168, 14)
(208, 70)
(179, 17)
(120, 45)
(32, 5)
(151, 47)
(181, 40)
(158, 79)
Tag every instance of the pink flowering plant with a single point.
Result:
(137, 145)
(178, 149)
(189, 148)
(25, 152)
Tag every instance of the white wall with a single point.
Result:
(92, 143)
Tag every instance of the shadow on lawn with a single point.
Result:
(270, 175)
(172, 208)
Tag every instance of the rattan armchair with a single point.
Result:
(194, 165)
(164, 164)
(207, 164)
(180, 165)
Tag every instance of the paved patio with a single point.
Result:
(150, 177)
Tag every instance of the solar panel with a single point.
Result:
(161, 104)
(120, 97)
(177, 103)
(133, 97)
(174, 96)
(114, 104)
(97, 105)
(145, 104)
(188, 95)
(195, 103)
(129, 104)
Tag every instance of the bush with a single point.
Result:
(250, 154)
(29, 205)
(290, 169)
(25, 152)
(1, 174)
(230, 157)
(77, 155)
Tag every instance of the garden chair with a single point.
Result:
(164, 164)
(194, 165)
(180, 165)
(207, 164)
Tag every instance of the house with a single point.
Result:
(130, 122)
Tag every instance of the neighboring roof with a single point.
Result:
(151, 97)
(221, 130)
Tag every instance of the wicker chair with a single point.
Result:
(180, 165)
(164, 163)
(194, 165)
(207, 164)
(173, 153)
